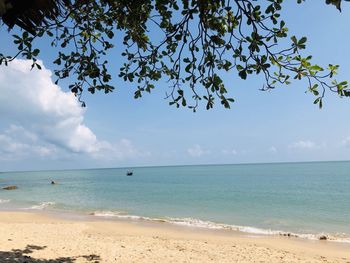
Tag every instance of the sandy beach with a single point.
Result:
(37, 237)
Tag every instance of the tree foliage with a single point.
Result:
(189, 43)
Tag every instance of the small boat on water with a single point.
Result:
(129, 173)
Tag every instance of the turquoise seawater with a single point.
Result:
(302, 198)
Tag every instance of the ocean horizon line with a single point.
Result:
(176, 165)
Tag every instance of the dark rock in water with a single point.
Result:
(53, 182)
(11, 187)
(323, 237)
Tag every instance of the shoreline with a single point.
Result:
(45, 208)
(45, 235)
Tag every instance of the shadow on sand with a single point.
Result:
(22, 256)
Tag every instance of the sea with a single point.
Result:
(306, 200)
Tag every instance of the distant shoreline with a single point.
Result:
(176, 165)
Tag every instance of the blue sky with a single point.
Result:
(51, 131)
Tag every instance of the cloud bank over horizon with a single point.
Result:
(40, 119)
(44, 127)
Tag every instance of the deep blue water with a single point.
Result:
(309, 198)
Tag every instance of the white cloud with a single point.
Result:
(272, 149)
(124, 149)
(346, 142)
(47, 119)
(229, 152)
(306, 145)
(197, 151)
(17, 142)
(301, 145)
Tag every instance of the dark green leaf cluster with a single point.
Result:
(336, 3)
(190, 43)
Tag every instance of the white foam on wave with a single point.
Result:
(104, 213)
(341, 240)
(42, 205)
(3, 201)
(193, 222)
(120, 215)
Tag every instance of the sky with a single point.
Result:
(42, 126)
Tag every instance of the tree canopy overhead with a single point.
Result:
(190, 43)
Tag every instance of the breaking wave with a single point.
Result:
(42, 205)
(3, 201)
(193, 222)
